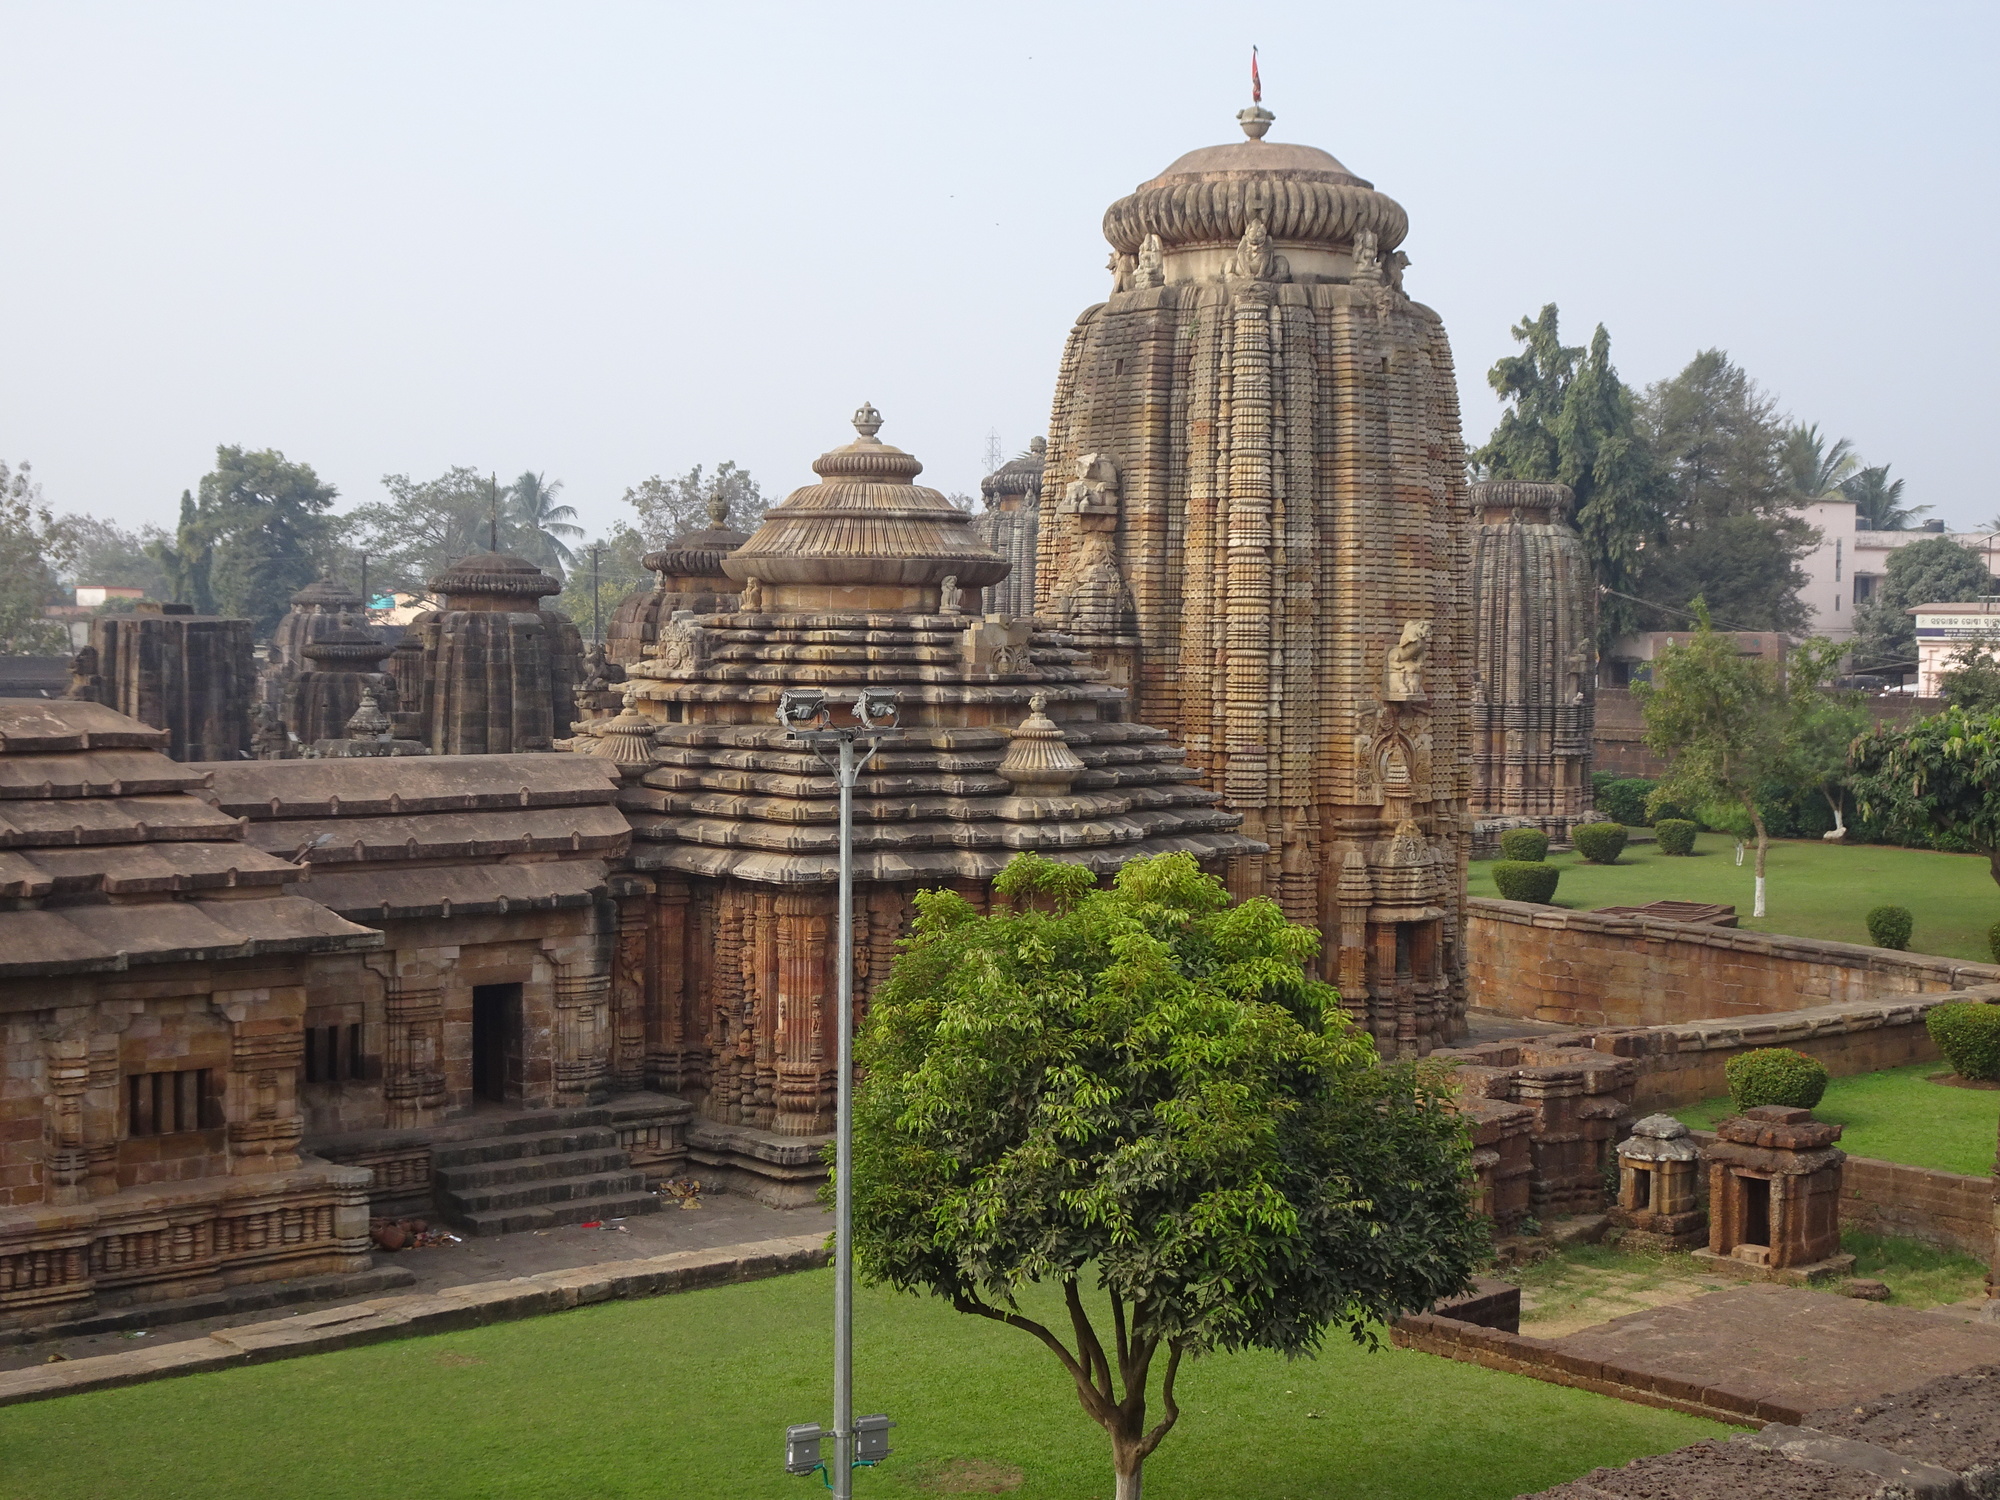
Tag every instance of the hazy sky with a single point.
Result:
(610, 240)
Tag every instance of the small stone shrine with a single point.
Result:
(1255, 512)
(341, 666)
(1009, 741)
(1774, 1197)
(1659, 1185)
(367, 736)
(495, 673)
(1534, 662)
(317, 609)
(690, 576)
(1013, 496)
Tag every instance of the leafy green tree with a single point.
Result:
(1822, 724)
(424, 526)
(253, 534)
(107, 553)
(1743, 567)
(594, 593)
(33, 546)
(668, 507)
(1878, 501)
(1737, 729)
(1973, 683)
(534, 524)
(1936, 570)
(1571, 420)
(1141, 1085)
(1935, 778)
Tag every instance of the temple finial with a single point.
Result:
(1256, 119)
(867, 420)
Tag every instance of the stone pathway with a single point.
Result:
(722, 1219)
(1597, 1296)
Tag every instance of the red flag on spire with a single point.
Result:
(1256, 83)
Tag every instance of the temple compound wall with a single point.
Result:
(1589, 969)
(1255, 513)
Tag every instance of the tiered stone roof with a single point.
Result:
(722, 792)
(110, 857)
(690, 577)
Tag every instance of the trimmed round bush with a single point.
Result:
(1526, 880)
(1968, 1034)
(1526, 844)
(1993, 941)
(1675, 835)
(1600, 843)
(1890, 926)
(1775, 1075)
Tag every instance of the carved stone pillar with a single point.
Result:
(631, 978)
(804, 1039)
(65, 1156)
(260, 1100)
(1248, 609)
(583, 1032)
(100, 1108)
(413, 1084)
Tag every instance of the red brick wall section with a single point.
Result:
(1582, 969)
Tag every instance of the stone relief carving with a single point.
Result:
(1367, 257)
(951, 598)
(750, 597)
(1090, 595)
(1121, 267)
(1152, 267)
(682, 645)
(1255, 260)
(1406, 663)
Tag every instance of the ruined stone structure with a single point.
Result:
(1256, 510)
(1010, 741)
(1008, 525)
(690, 577)
(1534, 663)
(191, 675)
(1774, 1196)
(491, 673)
(1545, 1116)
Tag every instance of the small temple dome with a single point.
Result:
(1209, 197)
(866, 523)
(1020, 478)
(347, 649)
(327, 594)
(1531, 503)
(699, 554)
(494, 573)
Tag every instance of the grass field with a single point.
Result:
(689, 1395)
(1898, 1115)
(1816, 889)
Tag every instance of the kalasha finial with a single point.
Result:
(1256, 119)
(868, 421)
(718, 508)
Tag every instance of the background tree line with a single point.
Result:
(1691, 490)
(259, 527)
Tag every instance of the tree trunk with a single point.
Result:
(1129, 1467)
(1763, 845)
(1839, 823)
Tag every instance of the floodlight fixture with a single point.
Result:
(871, 1438)
(802, 1447)
(876, 707)
(802, 708)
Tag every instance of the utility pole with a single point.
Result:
(806, 713)
(364, 587)
(596, 620)
(493, 514)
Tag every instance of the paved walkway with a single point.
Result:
(725, 1219)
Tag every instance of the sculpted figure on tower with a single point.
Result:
(1287, 524)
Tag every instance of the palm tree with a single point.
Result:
(1815, 470)
(1878, 501)
(537, 524)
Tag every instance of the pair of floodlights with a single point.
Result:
(808, 709)
(871, 1443)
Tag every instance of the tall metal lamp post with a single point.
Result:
(807, 714)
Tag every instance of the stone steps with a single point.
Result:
(537, 1171)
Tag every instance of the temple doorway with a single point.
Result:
(496, 1042)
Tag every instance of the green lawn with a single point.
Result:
(1816, 890)
(1897, 1115)
(689, 1395)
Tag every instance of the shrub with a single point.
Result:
(1968, 1034)
(1993, 941)
(1775, 1075)
(1525, 880)
(1624, 801)
(1890, 926)
(1529, 845)
(1600, 843)
(1676, 835)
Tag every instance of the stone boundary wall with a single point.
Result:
(444, 1311)
(1677, 1065)
(1947, 1209)
(1577, 968)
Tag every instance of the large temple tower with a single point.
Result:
(1256, 507)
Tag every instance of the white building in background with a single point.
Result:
(1844, 568)
(1942, 629)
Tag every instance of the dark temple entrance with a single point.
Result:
(496, 1042)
